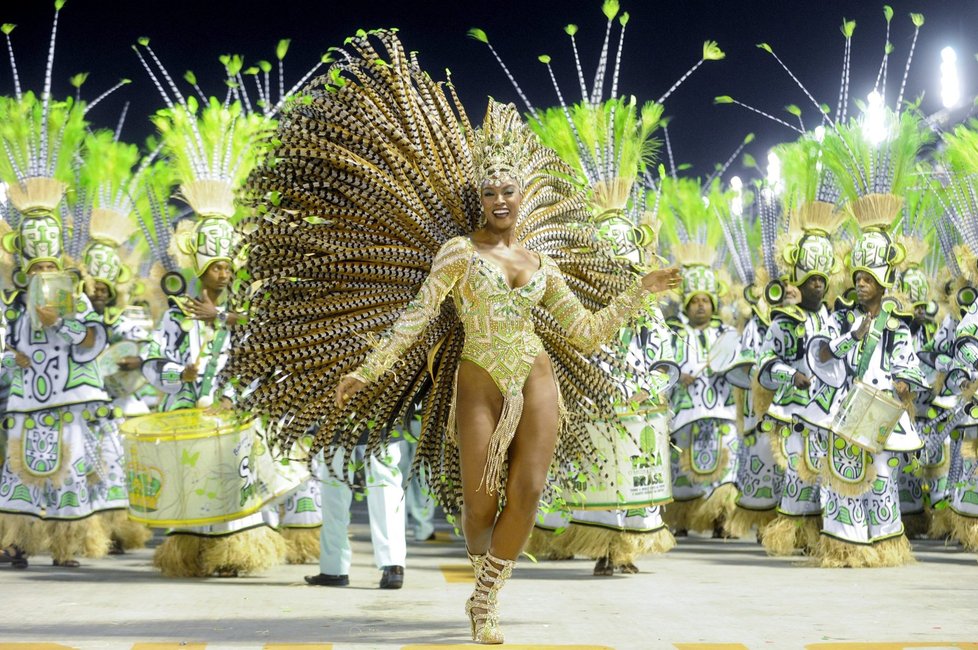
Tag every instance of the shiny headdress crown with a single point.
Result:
(809, 250)
(502, 146)
(38, 239)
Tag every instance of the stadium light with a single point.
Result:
(950, 84)
(737, 204)
(874, 119)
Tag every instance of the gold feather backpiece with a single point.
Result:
(373, 173)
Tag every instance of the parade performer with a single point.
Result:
(434, 181)
(211, 150)
(759, 478)
(961, 518)
(861, 523)
(950, 415)
(916, 469)
(102, 220)
(57, 404)
(615, 538)
(800, 400)
(703, 425)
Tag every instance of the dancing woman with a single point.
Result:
(505, 385)
(380, 188)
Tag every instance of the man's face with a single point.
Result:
(812, 292)
(868, 290)
(699, 310)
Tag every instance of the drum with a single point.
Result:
(194, 467)
(633, 465)
(724, 351)
(867, 417)
(120, 382)
(55, 290)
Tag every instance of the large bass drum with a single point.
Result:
(632, 469)
(194, 467)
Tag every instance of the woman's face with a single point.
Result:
(501, 203)
(216, 277)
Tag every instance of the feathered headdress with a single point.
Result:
(694, 235)
(608, 139)
(40, 139)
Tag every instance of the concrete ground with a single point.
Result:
(705, 595)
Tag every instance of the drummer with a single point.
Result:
(704, 412)
(615, 538)
(861, 524)
(800, 399)
(55, 407)
(103, 274)
(186, 355)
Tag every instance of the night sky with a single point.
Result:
(663, 39)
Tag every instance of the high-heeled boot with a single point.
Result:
(476, 560)
(482, 606)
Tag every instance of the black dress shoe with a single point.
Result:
(326, 580)
(393, 577)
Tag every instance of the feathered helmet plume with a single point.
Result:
(694, 235)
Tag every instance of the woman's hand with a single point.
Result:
(22, 360)
(662, 280)
(687, 380)
(347, 388)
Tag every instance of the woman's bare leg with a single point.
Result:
(530, 456)
(479, 405)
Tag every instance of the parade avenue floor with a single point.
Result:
(705, 595)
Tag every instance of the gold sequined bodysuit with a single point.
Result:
(499, 335)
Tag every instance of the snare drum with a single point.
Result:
(193, 467)
(633, 464)
(119, 382)
(54, 290)
(867, 417)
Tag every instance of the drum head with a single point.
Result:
(831, 372)
(724, 351)
(108, 362)
(670, 373)
(739, 374)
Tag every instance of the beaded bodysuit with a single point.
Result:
(499, 335)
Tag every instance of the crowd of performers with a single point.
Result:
(811, 381)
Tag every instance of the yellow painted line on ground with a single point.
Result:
(457, 572)
(892, 645)
(298, 646)
(508, 646)
(34, 646)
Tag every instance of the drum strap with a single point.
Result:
(869, 344)
(217, 345)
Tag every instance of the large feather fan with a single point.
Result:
(373, 173)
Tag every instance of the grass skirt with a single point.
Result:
(185, 555)
(301, 544)
(784, 535)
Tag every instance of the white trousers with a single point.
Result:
(385, 506)
(417, 495)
